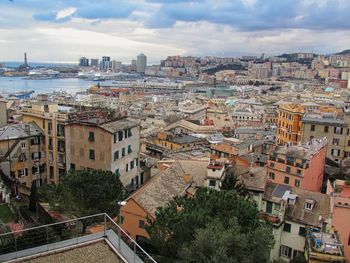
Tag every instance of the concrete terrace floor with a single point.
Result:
(96, 252)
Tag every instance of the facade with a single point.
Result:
(83, 62)
(111, 146)
(51, 121)
(339, 192)
(330, 126)
(141, 63)
(94, 62)
(22, 154)
(289, 124)
(3, 113)
(299, 166)
(177, 142)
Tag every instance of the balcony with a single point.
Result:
(57, 239)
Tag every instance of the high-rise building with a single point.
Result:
(289, 124)
(106, 63)
(47, 116)
(116, 66)
(141, 63)
(83, 62)
(94, 62)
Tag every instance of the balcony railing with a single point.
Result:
(51, 238)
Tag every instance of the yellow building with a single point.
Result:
(47, 116)
(289, 123)
(176, 143)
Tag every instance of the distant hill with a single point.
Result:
(344, 52)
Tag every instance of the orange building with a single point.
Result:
(289, 123)
(175, 178)
(299, 166)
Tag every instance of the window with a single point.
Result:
(132, 165)
(338, 130)
(115, 137)
(127, 167)
(212, 183)
(91, 136)
(286, 180)
(349, 143)
(92, 155)
(287, 227)
(129, 133)
(129, 149)
(23, 145)
(123, 152)
(297, 183)
(288, 169)
(36, 155)
(120, 136)
(298, 171)
(72, 167)
(61, 146)
(117, 173)
(297, 253)
(302, 231)
(308, 205)
(268, 207)
(335, 141)
(22, 157)
(272, 165)
(137, 162)
(312, 127)
(116, 155)
(60, 130)
(22, 172)
(35, 169)
(141, 224)
(335, 152)
(325, 129)
(272, 175)
(34, 141)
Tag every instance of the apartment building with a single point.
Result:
(111, 145)
(299, 216)
(289, 124)
(22, 155)
(328, 125)
(300, 166)
(51, 121)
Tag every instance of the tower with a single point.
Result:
(25, 59)
(141, 63)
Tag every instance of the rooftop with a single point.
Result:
(168, 183)
(22, 130)
(184, 139)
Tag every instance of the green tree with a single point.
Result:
(33, 198)
(185, 221)
(231, 182)
(86, 192)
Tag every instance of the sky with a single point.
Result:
(64, 30)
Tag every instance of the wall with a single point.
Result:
(313, 176)
(132, 213)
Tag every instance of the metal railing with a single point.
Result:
(61, 235)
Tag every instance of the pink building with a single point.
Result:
(339, 192)
(299, 165)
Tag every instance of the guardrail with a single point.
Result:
(62, 235)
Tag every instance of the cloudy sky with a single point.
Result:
(64, 30)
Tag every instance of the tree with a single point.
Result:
(185, 221)
(33, 198)
(86, 192)
(231, 182)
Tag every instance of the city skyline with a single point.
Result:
(66, 30)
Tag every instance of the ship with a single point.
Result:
(21, 95)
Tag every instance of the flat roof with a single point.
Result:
(95, 252)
